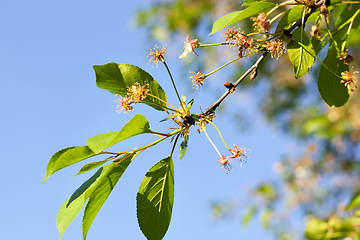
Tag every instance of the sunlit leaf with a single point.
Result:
(234, 17)
(67, 157)
(137, 125)
(103, 188)
(155, 200)
(301, 59)
(316, 229)
(332, 229)
(72, 206)
(117, 78)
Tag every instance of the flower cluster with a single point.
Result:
(189, 46)
(245, 44)
(156, 54)
(239, 153)
(261, 23)
(135, 93)
(231, 35)
(226, 163)
(276, 48)
(239, 39)
(124, 104)
(138, 92)
(197, 79)
(349, 79)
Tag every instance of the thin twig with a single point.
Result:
(217, 103)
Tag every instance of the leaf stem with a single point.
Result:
(211, 142)
(172, 80)
(218, 132)
(215, 44)
(329, 32)
(149, 145)
(174, 108)
(161, 134)
(205, 75)
(349, 29)
(218, 102)
(290, 2)
(173, 148)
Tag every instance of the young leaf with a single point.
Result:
(67, 157)
(190, 103)
(301, 58)
(234, 17)
(331, 90)
(137, 125)
(183, 147)
(103, 188)
(72, 206)
(117, 78)
(155, 199)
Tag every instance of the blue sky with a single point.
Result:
(49, 101)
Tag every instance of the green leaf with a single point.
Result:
(103, 188)
(248, 215)
(355, 201)
(290, 16)
(155, 200)
(249, 2)
(234, 17)
(190, 103)
(316, 229)
(72, 206)
(91, 166)
(86, 185)
(333, 229)
(183, 146)
(67, 157)
(331, 90)
(137, 125)
(319, 44)
(301, 59)
(294, 14)
(117, 78)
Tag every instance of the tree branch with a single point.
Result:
(287, 32)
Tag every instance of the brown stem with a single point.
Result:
(173, 148)
(217, 103)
